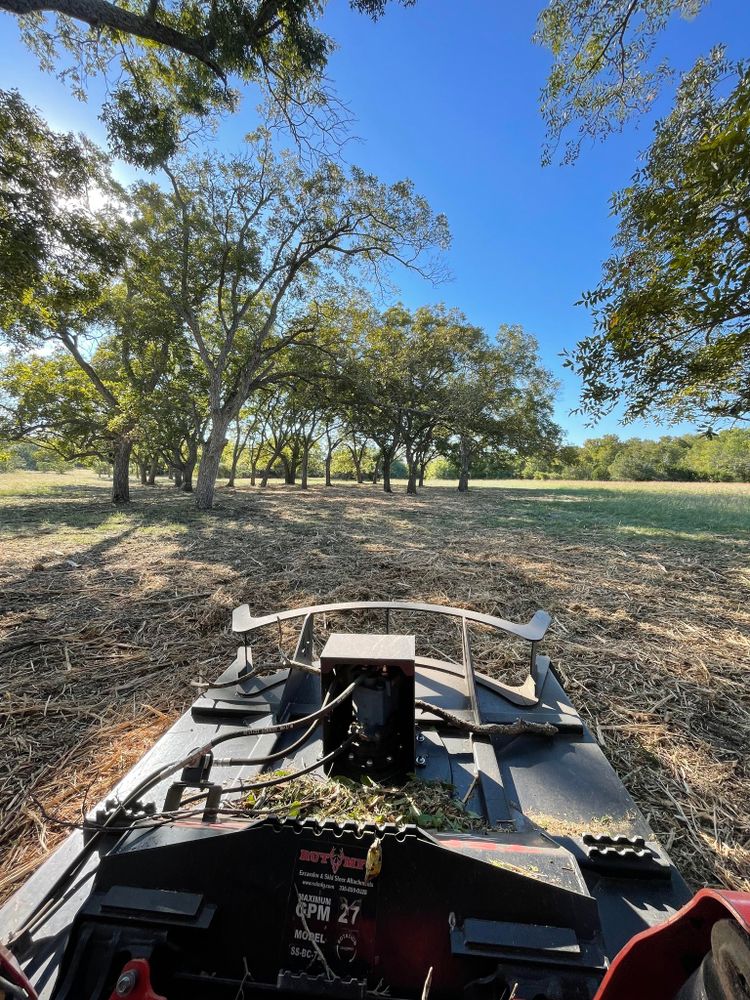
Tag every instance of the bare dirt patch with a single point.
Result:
(107, 616)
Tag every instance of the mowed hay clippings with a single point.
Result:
(109, 617)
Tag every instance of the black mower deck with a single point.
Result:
(563, 873)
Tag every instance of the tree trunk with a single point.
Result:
(236, 452)
(358, 455)
(292, 465)
(187, 477)
(463, 474)
(152, 470)
(143, 472)
(267, 470)
(121, 471)
(411, 482)
(178, 478)
(387, 459)
(208, 470)
(305, 461)
(422, 470)
(253, 473)
(329, 459)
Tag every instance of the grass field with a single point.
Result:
(107, 615)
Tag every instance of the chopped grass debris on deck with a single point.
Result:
(429, 804)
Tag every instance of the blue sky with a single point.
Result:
(446, 93)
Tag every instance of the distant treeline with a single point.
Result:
(723, 457)
(719, 458)
(16, 455)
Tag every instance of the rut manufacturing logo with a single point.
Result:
(337, 858)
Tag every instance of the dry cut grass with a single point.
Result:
(107, 616)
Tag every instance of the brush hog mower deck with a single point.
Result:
(362, 820)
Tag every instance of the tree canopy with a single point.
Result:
(604, 69)
(167, 59)
(205, 286)
(244, 249)
(500, 401)
(672, 312)
(671, 334)
(59, 241)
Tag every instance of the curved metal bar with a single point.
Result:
(533, 630)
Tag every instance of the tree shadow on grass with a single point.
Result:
(88, 507)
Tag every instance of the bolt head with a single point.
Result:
(420, 737)
(126, 983)
(421, 761)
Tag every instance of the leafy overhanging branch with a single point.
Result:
(603, 70)
(672, 311)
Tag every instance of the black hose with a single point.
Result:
(268, 758)
(282, 727)
(163, 816)
(251, 786)
(45, 908)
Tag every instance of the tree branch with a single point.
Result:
(102, 14)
